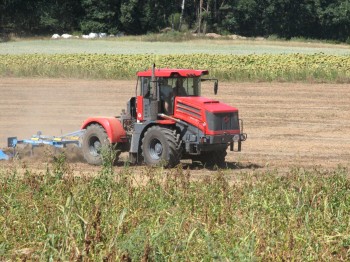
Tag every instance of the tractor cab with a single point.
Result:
(166, 86)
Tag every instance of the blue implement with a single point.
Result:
(3, 156)
(39, 140)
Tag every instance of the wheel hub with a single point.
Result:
(95, 146)
(159, 149)
(156, 149)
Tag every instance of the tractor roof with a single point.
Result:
(168, 72)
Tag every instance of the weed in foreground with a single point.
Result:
(300, 216)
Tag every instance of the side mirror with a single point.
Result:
(216, 87)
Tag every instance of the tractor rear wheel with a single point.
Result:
(94, 139)
(213, 158)
(161, 146)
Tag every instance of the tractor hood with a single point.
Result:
(210, 105)
(210, 116)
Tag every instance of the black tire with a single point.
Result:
(94, 139)
(213, 158)
(161, 147)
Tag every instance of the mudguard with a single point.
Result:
(112, 125)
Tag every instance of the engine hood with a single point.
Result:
(210, 116)
(211, 105)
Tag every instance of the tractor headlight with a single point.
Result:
(243, 137)
(235, 138)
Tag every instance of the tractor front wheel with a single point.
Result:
(160, 146)
(94, 139)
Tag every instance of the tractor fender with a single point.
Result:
(112, 125)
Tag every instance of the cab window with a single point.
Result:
(144, 88)
(191, 85)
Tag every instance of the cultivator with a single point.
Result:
(40, 140)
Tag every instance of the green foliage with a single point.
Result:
(171, 36)
(60, 165)
(100, 16)
(165, 215)
(58, 16)
(285, 18)
(292, 67)
(228, 24)
(129, 16)
(110, 155)
(174, 21)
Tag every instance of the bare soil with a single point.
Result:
(288, 124)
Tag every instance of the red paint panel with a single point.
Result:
(187, 109)
(187, 117)
(207, 104)
(139, 108)
(168, 72)
(112, 125)
(230, 132)
(166, 122)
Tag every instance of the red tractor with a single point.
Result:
(167, 121)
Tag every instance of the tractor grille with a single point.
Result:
(222, 121)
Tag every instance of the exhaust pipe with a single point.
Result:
(154, 105)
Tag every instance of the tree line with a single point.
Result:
(320, 19)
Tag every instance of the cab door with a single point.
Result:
(143, 98)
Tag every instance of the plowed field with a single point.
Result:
(288, 124)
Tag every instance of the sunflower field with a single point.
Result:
(268, 67)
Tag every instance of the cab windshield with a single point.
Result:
(190, 86)
(177, 86)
